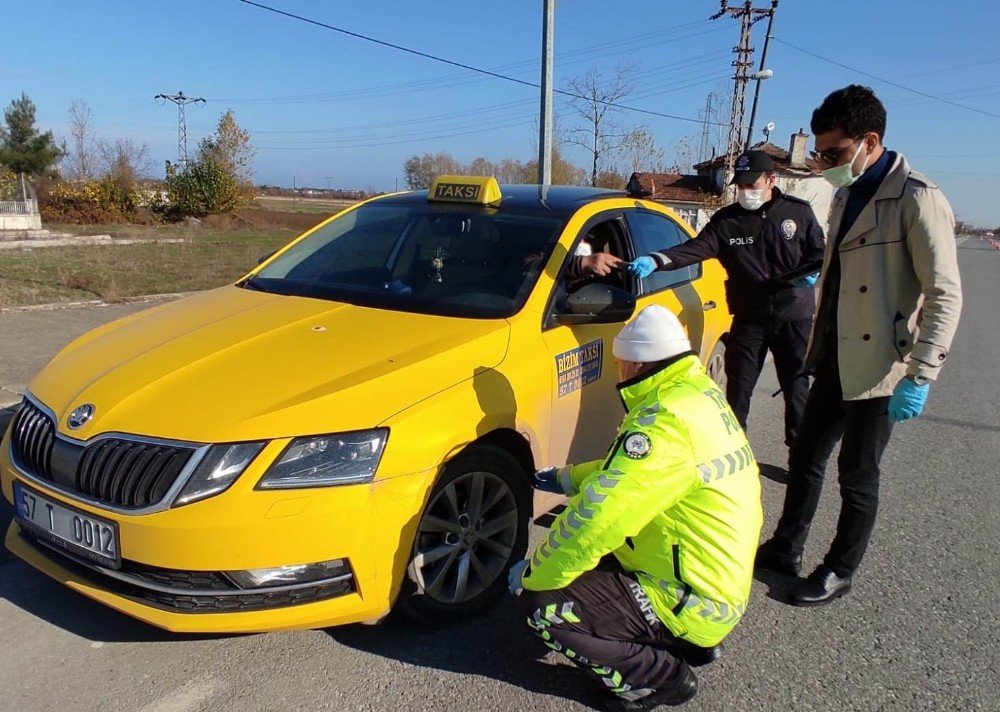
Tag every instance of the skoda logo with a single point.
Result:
(80, 416)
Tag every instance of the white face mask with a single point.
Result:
(751, 199)
(843, 176)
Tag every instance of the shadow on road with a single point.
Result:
(966, 424)
(773, 473)
(44, 598)
(497, 645)
(778, 585)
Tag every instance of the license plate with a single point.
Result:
(82, 534)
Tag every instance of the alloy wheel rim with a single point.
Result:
(465, 538)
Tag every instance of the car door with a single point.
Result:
(586, 410)
(652, 231)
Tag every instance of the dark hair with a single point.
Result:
(854, 109)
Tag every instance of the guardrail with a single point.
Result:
(19, 207)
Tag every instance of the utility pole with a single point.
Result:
(747, 16)
(545, 117)
(181, 101)
(762, 73)
(706, 117)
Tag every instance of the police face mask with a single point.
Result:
(751, 199)
(843, 176)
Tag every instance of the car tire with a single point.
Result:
(716, 365)
(459, 561)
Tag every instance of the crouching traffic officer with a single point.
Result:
(676, 505)
(761, 238)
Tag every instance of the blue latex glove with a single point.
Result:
(641, 267)
(808, 280)
(907, 400)
(515, 576)
(547, 480)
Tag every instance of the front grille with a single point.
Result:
(123, 473)
(32, 435)
(210, 591)
(129, 474)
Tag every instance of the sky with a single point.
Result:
(330, 110)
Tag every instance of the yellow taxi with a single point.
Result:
(353, 425)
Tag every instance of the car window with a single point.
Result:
(430, 258)
(652, 232)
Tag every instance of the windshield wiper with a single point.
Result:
(253, 284)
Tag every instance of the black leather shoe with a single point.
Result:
(680, 688)
(774, 558)
(821, 587)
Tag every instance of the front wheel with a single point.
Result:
(474, 527)
(716, 365)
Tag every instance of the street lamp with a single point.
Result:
(759, 76)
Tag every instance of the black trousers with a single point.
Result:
(604, 623)
(864, 428)
(746, 348)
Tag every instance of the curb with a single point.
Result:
(97, 302)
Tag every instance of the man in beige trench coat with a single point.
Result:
(890, 297)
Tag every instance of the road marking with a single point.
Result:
(187, 698)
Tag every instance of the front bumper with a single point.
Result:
(171, 559)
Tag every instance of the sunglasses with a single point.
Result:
(832, 156)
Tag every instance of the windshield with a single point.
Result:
(453, 260)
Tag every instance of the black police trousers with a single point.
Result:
(747, 345)
(604, 623)
(863, 429)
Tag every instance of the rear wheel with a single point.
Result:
(474, 527)
(716, 365)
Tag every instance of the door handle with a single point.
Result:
(709, 305)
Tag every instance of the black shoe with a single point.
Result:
(821, 587)
(773, 557)
(680, 688)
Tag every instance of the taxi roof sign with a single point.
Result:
(478, 190)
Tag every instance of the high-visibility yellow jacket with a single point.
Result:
(677, 502)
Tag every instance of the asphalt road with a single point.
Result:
(919, 631)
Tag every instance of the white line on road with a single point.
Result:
(188, 698)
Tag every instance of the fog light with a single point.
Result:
(289, 575)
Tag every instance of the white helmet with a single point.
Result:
(653, 335)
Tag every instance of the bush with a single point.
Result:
(205, 187)
(87, 202)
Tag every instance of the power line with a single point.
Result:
(888, 81)
(460, 65)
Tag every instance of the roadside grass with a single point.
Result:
(207, 258)
(326, 206)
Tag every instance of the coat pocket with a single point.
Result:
(902, 339)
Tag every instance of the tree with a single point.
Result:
(81, 158)
(124, 161)
(421, 171)
(640, 152)
(231, 148)
(685, 154)
(597, 133)
(219, 179)
(22, 148)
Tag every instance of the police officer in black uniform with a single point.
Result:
(771, 247)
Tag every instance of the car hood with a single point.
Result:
(233, 364)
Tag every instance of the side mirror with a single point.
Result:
(596, 304)
(266, 257)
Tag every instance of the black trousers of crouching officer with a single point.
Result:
(747, 345)
(604, 623)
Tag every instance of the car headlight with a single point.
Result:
(220, 467)
(324, 460)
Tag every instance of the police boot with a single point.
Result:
(680, 688)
